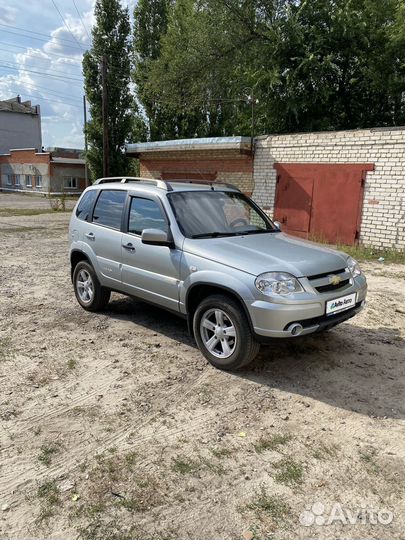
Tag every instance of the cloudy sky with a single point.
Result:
(41, 47)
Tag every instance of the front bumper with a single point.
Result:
(271, 320)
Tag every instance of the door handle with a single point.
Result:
(90, 236)
(128, 246)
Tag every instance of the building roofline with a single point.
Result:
(207, 143)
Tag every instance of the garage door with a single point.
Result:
(321, 201)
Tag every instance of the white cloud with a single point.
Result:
(8, 14)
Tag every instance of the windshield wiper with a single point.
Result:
(214, 234)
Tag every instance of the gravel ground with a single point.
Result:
(114, 426)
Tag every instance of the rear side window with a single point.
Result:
(86, 204)
(108, 209)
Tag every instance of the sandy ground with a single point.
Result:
(114, 426)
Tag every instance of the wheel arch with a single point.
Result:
(75, 257)
(200, 290)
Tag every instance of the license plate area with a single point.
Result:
(340, 304)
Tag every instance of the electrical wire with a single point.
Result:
(47, 99)
(33, 32)
(81, 20)
(50, 38)
(67, 26)
(34, 49)
(41, 73)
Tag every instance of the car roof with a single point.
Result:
(154, 184)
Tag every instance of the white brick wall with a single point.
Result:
(382, 223)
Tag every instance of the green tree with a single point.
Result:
(312, 64)
(150, 24)
(111, 37)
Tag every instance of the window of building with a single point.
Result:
(28, 180)
(9, 179)
(38, 181)
(86, 204)
(108, 209)
(18, 179)
(70, 182)
(145, 214)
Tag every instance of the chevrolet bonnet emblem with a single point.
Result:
(334, 279)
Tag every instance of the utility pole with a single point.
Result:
(105, 115)
(86, 175)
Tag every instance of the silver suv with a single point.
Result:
(208, 253)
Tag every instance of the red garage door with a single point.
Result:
(321, 201)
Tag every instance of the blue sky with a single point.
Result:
(35, 37)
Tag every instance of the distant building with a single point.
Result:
(20, 125)
(54, 170)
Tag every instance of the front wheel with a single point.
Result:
(89, 293)
(222, 332)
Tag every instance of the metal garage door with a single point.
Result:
(321, 201)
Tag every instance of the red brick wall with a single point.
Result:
(230, 166)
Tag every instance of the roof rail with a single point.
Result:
(126, 179)
(209, 183)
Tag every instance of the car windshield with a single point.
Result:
(210, 214)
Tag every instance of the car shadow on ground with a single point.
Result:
(350, 367)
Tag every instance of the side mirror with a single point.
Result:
(156, 237)
(277, 224)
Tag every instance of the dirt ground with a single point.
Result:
(113, 426)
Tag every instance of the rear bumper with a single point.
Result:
(274, 320)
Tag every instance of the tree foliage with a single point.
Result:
(311, 64)
(111, 37)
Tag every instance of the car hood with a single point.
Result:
(269, 252)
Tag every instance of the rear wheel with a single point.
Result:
(89, 293)
(222, 332)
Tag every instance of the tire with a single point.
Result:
(92, 296)
(227, 350)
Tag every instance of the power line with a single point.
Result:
(33, 32)
(81, 20)
(50, 38)
(41, 73)
(67, 26)
(34, 49)
(48, 99)
(51, 92)
(22, 67)
(39, 58)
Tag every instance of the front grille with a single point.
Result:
(326, 274)
(331, 287)
(322, 282)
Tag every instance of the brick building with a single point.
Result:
(339, 187)
(220, 159)
(54, 171)
(20, 125)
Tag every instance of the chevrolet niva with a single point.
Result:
(208, 253)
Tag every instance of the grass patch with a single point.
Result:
(47, 452)
(71, 364)
(49, 496)
(271, 505)
(325, 451)
(9, 212)
(102, 529)
(289, 472)
(271, 443)
(362, 253)
(221, 453)
(184, 465)
(6, 349)
(368, 459)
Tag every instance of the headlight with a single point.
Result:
(277, 283)
(353, 266)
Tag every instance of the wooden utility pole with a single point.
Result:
(86, 175)
(105, 115)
